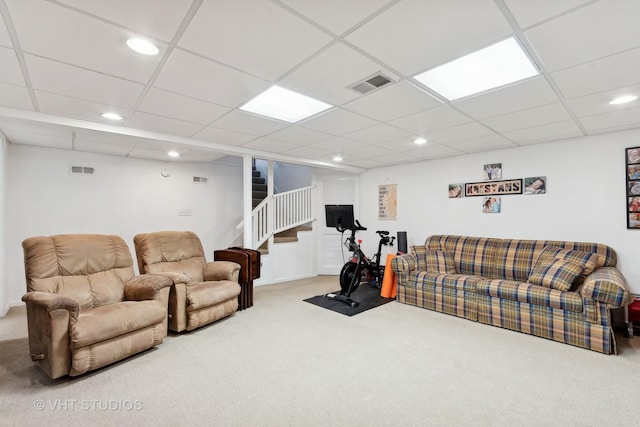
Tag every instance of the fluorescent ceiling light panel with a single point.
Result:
(494, 66)
(284, 104)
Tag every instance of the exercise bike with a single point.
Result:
(360, 268)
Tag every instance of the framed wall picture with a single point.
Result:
(388, 201)
(492, 171)
(632, 170)
(491, 204)
(456, 191)
(508, 186)
(535, 185)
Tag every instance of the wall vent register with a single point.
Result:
(82, 170)
(200, 179)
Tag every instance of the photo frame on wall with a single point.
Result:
(535, 185)
(507, 186)
(492, 171)
(491, 204)
(632, 170)
(456, 191)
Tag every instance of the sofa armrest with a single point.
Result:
(51, 302)
(404, 263)
(175, 277)
(607, 285)
(221, 270)
(145, 287)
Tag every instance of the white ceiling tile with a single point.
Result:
(200, 78)
(397, 158)
(598, 103)
(597, 30)
(162, 124)
(428, 33)
(199, 156)
(543, 133)
(485, 143)
(614, 120)
(437, 151)
(51, 76)
(239, 121)
(163, 103)
(65, 106)
(520, 96)
(155, 18)
(431, 120)
(68, 36)
(5, 40)
(613, 72)
(528, 118)
(328, 75)
(308, 152)
(363, 163)
(15, 97)
(257, 34)
(299, 135)
(10, 71)
(529, 12)
(393, 101)
(325, 12)
(338, 122)
(401, 145)
(459, 133)
(378, 133)
(102, 147)
(222, 136)
(339, 145)
(271, 145)
(371, 152)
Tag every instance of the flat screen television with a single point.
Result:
(342, 214)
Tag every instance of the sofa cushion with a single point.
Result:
(460, 282)
(205, 294)
(555, 273)
(109, 321)
(588, 260)
(438, 262)
(531, 294)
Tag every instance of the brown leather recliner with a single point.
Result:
(85, 306)
(202, 291)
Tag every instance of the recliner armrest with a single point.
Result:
(606, 284)
(145, 287)
(174, 276)
(50, 301)
(221, 270)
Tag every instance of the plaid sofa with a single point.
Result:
(489, 281)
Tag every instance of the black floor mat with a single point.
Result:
(366, 295)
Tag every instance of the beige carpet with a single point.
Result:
(286, 362)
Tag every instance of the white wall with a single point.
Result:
(126, 196)
(585, 200)
(3, 271)
(287, 176)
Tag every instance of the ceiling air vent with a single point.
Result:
(370, 83)
(200, 179)
(82, 170)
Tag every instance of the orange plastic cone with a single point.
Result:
(389, 282)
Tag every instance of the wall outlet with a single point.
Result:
(184, 212)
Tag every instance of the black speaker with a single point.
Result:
(402, 242)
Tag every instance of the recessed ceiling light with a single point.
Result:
(420, 141)
(112, 116)
(623, 99)
(284, 104)
(494, 66)
(142, 46)
(173, 153)
(337, 158)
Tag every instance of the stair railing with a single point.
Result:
(281, 212)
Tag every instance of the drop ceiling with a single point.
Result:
(65, 62)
